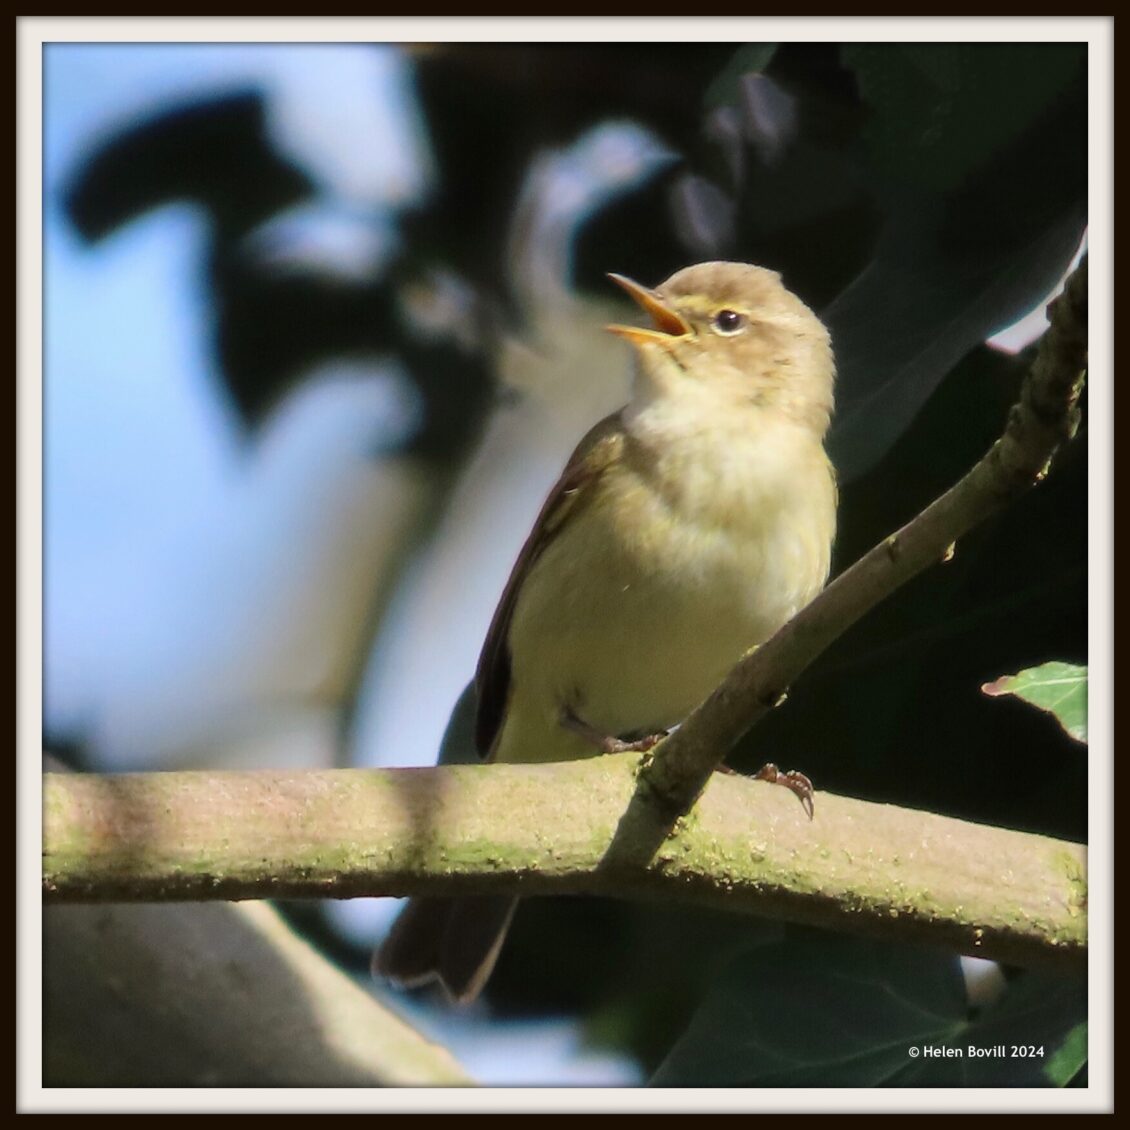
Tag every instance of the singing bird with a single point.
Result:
(684, 530)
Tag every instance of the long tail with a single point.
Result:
(455, 941)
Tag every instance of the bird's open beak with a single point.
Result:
(668, 323)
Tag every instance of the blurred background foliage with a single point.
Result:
(922, 197)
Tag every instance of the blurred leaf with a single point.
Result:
(814, 1013)
(217, 152)
(1036, 1023)
(273, 326)
(981, 155)
(703, 215)
(753, 58)
(1059, 688)
(941, 188)
(916, 310)
(490, 110)
(784, 144)
(1066, 1064)
(942, 109)
(638, 988)
(827, 1012)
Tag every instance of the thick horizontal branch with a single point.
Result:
(1045, 416)
(548, 829)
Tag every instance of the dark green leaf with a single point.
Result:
(832, 1012)
(980, 152)
(916, 311)
(817, 1013)
(939, 110)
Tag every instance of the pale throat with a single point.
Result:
(718, 460)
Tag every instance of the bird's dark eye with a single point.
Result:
(728, 322)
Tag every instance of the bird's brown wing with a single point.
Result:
(599, 448)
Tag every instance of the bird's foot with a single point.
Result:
(797, 783)
(605, 742)
(639, 745)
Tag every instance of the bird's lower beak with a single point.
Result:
(668, 322)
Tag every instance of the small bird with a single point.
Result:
(684, 530)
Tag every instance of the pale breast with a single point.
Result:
(640, 606)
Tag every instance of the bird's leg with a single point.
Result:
(604, 742)
(797, 783)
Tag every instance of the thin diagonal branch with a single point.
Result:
(1045, 416)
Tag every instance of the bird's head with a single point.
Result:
(733, 331)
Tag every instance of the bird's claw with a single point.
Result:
(640, 745)
(793, 780)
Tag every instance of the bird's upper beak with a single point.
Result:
(668, 322)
